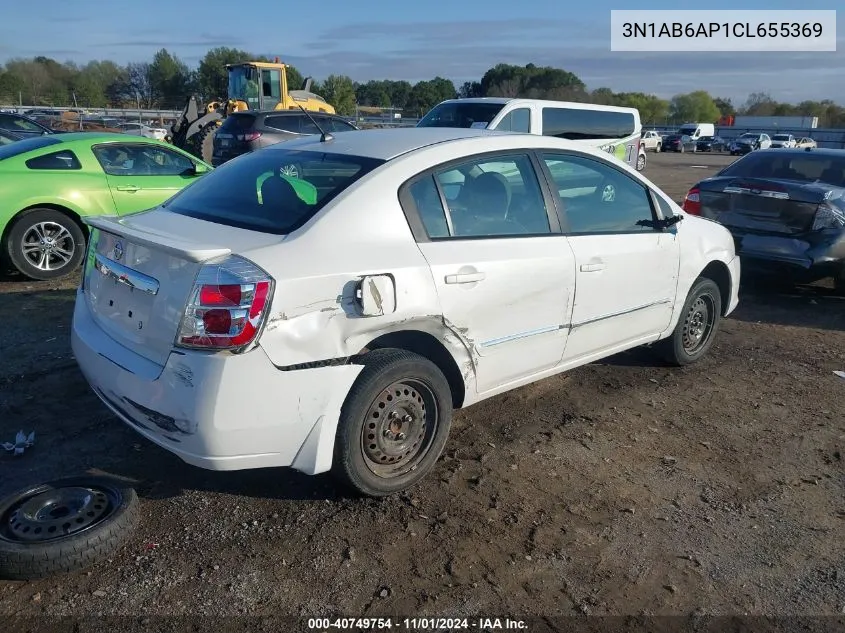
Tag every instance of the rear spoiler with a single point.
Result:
(161, 241)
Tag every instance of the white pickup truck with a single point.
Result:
(651, 140)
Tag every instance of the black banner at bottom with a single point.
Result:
(423, 624)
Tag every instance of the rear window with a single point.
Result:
(803, 167)
(238, 122)
(273, 190)
(26, 145)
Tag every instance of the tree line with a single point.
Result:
(166, 82)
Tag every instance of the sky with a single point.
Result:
(458, 40)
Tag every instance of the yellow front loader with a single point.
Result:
(251, 86)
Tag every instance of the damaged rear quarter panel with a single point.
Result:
(314, 314)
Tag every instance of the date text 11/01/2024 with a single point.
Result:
(325, 625)
(722, 29)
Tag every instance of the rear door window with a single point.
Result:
(337, 125)
(518, 120)
(284, 123)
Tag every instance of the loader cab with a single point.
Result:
(259, 86)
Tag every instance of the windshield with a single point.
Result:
(687, 131)
(780, 137)
(273, 190)
(26, 145)
(804, 167)
(243, 85)
(455, 114)
(752, 136)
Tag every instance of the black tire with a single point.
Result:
(27, 228)
(113, 505)
(206, 142)
(361, 459)
(657, 149)
(641, 159)
(682, 347)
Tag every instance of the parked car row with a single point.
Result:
(486, 261)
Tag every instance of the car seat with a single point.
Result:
(488, 202)
(278, 194)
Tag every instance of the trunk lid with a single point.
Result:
(762, 205)
(140, 272)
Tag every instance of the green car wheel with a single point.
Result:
(45, 244)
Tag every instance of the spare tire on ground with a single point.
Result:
(64, 525)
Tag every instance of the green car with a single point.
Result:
(47, 183)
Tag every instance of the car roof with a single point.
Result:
(386, 143)
(261, 113)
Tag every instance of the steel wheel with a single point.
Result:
(698, 323)
(64, 525)
(401, 424)
(48, 246)
(57, 513)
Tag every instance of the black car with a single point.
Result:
(678, 143)
(749, 142)
(22, 125)
(785, 209)
(244, 132)
(711, 144)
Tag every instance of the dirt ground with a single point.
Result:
(623, 487)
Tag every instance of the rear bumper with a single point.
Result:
(804, 258)
(217, 411)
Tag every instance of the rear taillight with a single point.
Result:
(692, 203)
(828, 217)
(227, 307)
(249, 136)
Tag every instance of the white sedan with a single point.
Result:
(335, 320)
(140, 129)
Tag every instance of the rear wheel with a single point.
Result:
(394, 423)
(697, 326)
(44, 244)
(641, 161)
(206, 142)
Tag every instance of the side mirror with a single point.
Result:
(200, 169)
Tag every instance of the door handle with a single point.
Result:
(130, 188)
(591, 268)
(464, 278)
